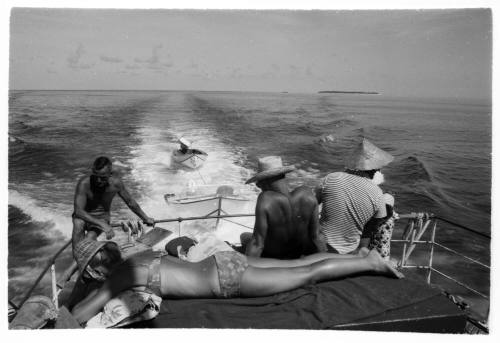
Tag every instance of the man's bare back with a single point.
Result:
(289, 219)
(286, 223)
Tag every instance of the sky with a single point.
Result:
(437, 53)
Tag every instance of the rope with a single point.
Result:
(202, 179)
(464, 227)
(248, 227)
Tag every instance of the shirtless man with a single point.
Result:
(286, 223)
(93, 197)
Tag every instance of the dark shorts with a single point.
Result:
(230, 266)
(331, 249)
(91, 227)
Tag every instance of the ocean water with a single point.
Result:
(442, 165)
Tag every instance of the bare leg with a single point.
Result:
(78, 231)
(262, 262)
(268, 281)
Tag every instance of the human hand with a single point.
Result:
(108, 230)
(134, 227)
(149, 221)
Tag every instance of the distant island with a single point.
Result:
(348, 92)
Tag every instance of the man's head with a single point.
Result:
(96, 259)
(102, 170)
(367, 160)
(270, 169)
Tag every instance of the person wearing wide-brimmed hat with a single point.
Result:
(286, 222)
(353, 203)
(185, 145)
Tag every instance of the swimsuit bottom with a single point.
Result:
(230, 266)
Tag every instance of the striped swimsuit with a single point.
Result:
(349, 202)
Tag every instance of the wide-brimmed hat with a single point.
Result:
(85, 250)
(270, 166)
(185, 142)
(367, 156)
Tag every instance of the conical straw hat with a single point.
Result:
(367, 156)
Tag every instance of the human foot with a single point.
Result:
(363, 252)
(383, 267)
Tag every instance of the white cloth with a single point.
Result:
(207, 246)
(127, 307)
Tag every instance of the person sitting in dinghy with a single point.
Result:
(227, 274)
(185, 146)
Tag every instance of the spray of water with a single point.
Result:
(152, 167)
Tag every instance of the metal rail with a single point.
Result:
(417, 225)
(415, 229)
(50, 263)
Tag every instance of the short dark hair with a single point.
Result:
(101, 162)
(363, 173)
(109, 255)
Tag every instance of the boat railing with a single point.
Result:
(418, 224)
(50, 265)
(416, 227)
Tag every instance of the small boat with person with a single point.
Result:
(187, 156)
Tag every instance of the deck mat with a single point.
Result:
(320, 306)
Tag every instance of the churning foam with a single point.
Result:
(157, 175)
(40, 213)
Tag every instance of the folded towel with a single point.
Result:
(127, 307)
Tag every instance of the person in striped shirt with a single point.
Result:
(353, 203)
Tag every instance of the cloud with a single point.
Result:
(132, 66)
(74, 59)
(110, 59)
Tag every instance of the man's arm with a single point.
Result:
(314, 230)
(80, 201)
(318, 192)
(368, 231)
(377, 219)
(256, 245)
(132, 204)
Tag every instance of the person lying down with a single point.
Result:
(226, 274)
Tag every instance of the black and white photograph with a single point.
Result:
(276, 168)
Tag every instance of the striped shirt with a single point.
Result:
(349, 202)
